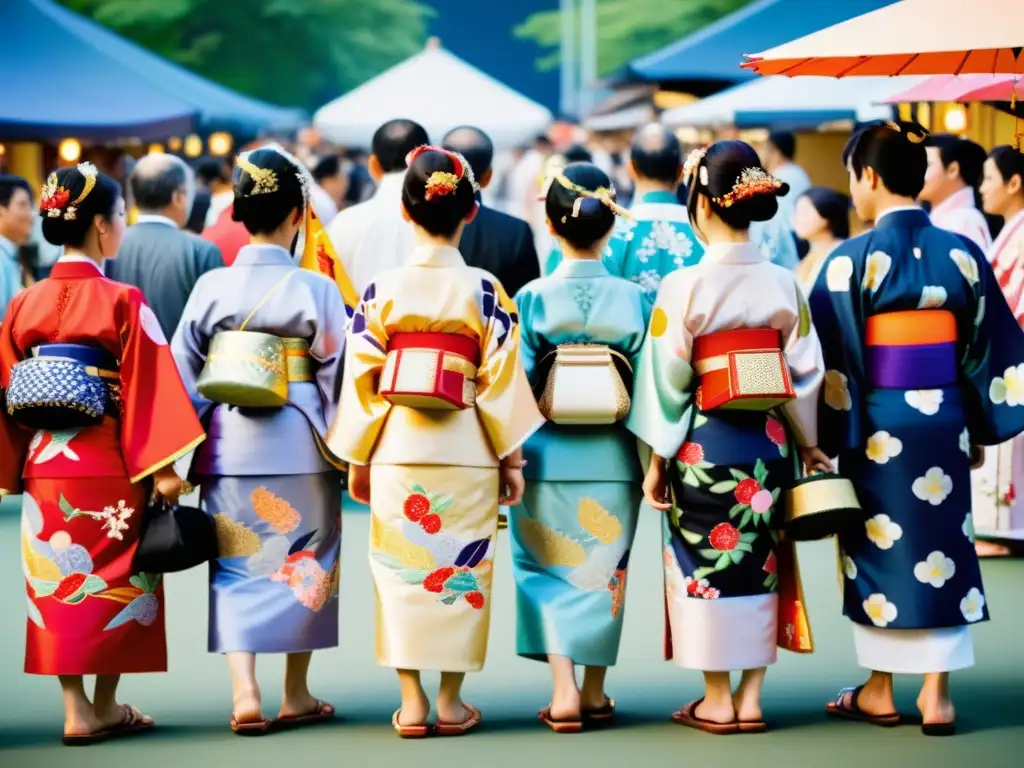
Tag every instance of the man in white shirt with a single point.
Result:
(17, 215)
(330, 178)
(372, 237)
(955, 166)
(776, 237)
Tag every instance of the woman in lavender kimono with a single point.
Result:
(924, 361)
(265, 476)
(717, 473)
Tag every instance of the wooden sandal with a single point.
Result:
(323, 713)
(852, 711)
(602, 714)
(417, 731)
(443, 728)
(688, 716)
(131, 724)
(559, 725)
(753, 726)
(250, 727)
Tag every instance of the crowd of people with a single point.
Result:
(700, 351)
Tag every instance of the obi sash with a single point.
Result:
(743, 369)
(915, 349)
(430, 370)
(62, 386)
(98, 361)
(298, 364)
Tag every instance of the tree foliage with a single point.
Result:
(290, 52)
(627, 29)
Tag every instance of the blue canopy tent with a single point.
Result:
(65, 75)
(710, 58)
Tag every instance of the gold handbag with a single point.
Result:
(584, 385)
(819, 506)
(252, 369)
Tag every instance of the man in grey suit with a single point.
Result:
(157, 256)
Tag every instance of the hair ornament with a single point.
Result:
(264, 180)
(912, 136)
(693, 161)
(54, 197)
(440, 184)
(752, 181)
(602, 194)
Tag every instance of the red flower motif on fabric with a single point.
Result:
(724, 537)
(69, 585)
(775, 431)
(770, 565)
(415, 507)
(746, 489)
(434, 582)
(1011, 495)
(431, 523)
(475, 599)
(691, 453)
(324, 262)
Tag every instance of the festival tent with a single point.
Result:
(965, 88)
(439, 91)
(65, 75)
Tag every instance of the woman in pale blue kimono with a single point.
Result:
(572, 535)
(265, 476)
(924, 362)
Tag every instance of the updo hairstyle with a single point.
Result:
(268, 184)
(71, 199)
(439, 190)
(579, 219)
(730, 175)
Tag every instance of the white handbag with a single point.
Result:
(584, 386)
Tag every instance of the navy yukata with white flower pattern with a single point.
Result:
(913, 565)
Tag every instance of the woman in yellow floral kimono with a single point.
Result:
(434, 408)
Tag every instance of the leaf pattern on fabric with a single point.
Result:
(387, 539)
(235, 539)
(597, 521)
(549, 547)
(275, 511)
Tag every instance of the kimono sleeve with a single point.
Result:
(838, 317)
(14, 439)
(663, 382)
(362, 411)
(993, 363)
(327, 348)
(158, 423)
(807, 369)
(504, 400)
(189, 346)
(530, 344)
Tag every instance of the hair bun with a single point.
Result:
(783, 190)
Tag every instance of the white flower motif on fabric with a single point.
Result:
(59, 446)
(965, 441)
(981, 312)
(966, 264)
(876, 268)
(837, 394)
(932, 296)
(838, 274)
(1008, 388)
(849, 567)
(935, 570)
(882, 446)
(934, 487)
(883, 532)
(114, 519)
(917, 254)
(968, 527)
(151, 326)
(649, 280)
(880, 610)
(973, 606)
(927, 401)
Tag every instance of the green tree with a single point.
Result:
(290, 52)
(627, 29)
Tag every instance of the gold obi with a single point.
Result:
(253, 370)
(820, 506)
(584, 385)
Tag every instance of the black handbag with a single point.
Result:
(174, 538)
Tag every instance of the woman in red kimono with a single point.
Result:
(86, 489)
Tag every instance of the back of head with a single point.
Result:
(394, 140)
(784, 142)
(8, 184)
(155, 180)
(833, 207)
(327, 168)
(211, 169)
(474, 145)
(895, 150)
(730, 175)
(439, 191)
(579, 204)
(577, 153)
(970, 157)
(268, 184)
(71, 199)
(656, 154)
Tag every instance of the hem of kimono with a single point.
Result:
(168, 460)
(726, 634)
(144, 669)
(983, 534)
(430, 667)
(522, 440)
(304, 648)
(579, 660)
(914, 651)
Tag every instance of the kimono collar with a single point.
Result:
(660, 196)
(72, 266)
(959, 200)
(436, 256)
(263, 256)
(580, 268)
(903, 216)
(733, 253)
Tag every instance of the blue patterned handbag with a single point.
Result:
(62, 386)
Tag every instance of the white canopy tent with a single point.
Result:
(806, 102)
(439, 91)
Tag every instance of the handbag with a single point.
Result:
(585, 385)
(247, 368)
(174, 538)
(819, 506)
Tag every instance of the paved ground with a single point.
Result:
(192, 702)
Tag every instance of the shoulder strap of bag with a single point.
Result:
(267, 295)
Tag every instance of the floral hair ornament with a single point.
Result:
(912, 136)
(264, 180)
(602, 194)
(442, 183)
(54, 197)
(693, 161)
(752, 181)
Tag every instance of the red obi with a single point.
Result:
(432, 371)
(741, 370)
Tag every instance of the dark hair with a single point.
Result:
(155, 180)
(8, 184)
(656, 154)
(100, 201)
(833, 207)
(394, 140)
(474, 145)
(725, 162)
(894, 150)
(441, 214)
(263, 213)
(594, 219)
(543, 140)
(327, 168)
(785, 142)
(210, 169)
(1009, 162)
(970, 157)
(577, 153)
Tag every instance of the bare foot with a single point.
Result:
(247, 707)
(565, 705)
(299, 705)
(724, 712)
(935, 710)
(991, 549)
(877, 703)
(453, 712)
(591, 703)
(416, 712)
(748, 709)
